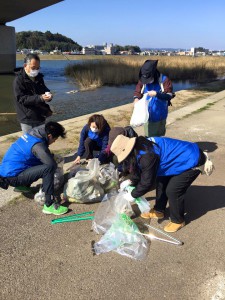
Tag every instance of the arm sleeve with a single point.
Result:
(137, 92)
(149, 165)
(42, 152)
(83, 136)
(22, 97)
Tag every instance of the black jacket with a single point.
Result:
(29, 106)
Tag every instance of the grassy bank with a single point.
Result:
(120, 70)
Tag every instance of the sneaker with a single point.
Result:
(55, 209)
(153, 214)
(173, 227)
(22, 189)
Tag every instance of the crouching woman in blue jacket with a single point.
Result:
(173, 164)
(94, 137)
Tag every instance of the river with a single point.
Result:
(66, 105)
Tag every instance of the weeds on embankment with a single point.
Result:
(120, 70)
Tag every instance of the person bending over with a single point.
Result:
(173, 164)
(29, 159)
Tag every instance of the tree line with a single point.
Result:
(46, 41)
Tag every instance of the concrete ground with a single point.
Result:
(44, 261)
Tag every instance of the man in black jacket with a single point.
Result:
(31, 94)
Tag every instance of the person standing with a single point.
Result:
(29, 159)
(160, 92)
(31, 94)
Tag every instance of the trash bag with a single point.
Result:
(112, 204)
(84, 187)
(108, 177)
(124, 238)
(59, 173)
(140, 113)
(142, 204)
(39, 197)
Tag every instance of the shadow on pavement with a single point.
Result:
(207, 146)
(201, 199)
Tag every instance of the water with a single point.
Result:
(67, 105)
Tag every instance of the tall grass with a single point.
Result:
(114, 70)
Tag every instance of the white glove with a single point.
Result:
(208, 166)
(125, 184)
(129, 197)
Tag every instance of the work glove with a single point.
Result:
(125, 184)
(128, 195)
(208, 166)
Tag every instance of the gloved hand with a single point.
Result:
(129, 197)
(208, 166)
(125, 184)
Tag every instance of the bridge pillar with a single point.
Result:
(7, 49)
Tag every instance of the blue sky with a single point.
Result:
(146, 23)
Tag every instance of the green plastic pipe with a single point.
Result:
(76, 215)
(72, 219)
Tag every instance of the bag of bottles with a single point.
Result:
(124, 238)
(112, 204)
(108, 177)
(85, 187)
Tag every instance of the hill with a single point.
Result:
(46, 41)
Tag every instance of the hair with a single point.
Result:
(55, 129)
(31, 56)
(130, 164)
(100, 122)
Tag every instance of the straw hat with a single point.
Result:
(122, 146)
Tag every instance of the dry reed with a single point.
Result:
(120, 70)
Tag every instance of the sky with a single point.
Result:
(145, 23)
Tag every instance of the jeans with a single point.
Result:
(174, 189)
(30, 175)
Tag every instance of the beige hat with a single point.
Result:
(122, 146)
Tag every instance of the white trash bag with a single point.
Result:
(85, 187)
(140, 113)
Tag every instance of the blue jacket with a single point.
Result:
(176, 156)
(158, 105)
(100, 139)
(19, 156)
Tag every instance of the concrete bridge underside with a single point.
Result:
(11, 10)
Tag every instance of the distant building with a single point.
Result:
(109, 49)
(88, 51)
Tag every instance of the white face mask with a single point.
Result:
(94, 129)
(33, 73)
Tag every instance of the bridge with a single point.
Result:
(11, 10)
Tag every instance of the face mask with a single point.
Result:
(94, 129)
(33, 73)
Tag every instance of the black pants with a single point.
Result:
(90, 146)
(174, 189)
(32, 174)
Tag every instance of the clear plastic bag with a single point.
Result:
(124, 238)
(84, 187)
(112, 204)
(142, 204)
(59, 173)
(108, 177)
(39, 197)
(140, 113)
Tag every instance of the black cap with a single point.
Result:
(148, 70)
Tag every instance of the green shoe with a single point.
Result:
(22, 189)
(55, 209)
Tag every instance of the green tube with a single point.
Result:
(71, 220)
(75, 215)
